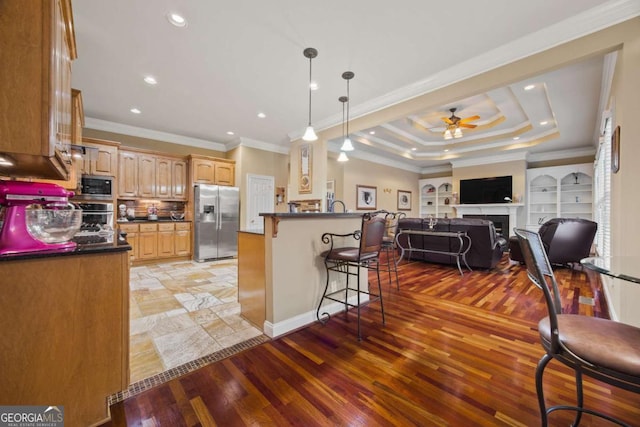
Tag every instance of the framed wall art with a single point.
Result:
(404, 200)
(366, 197)
(304, 176)
(615, 150)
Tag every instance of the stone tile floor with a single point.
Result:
(182, 311)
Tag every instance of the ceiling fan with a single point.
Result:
(454, 123)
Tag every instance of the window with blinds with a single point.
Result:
(602, 192)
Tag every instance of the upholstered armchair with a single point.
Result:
(566, 240)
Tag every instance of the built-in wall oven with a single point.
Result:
(97, 223)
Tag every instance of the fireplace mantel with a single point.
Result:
(510, 209)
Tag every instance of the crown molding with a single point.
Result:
(107, 126)
(437, 169)
(257, 144)
(585, 23)
(561, 154)
(489, 160)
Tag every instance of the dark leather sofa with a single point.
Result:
(486, 245)
(566, 240)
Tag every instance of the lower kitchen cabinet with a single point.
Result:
(157, 241)
(148, 241)
(182, 239)
(132, 238)
(165, 240)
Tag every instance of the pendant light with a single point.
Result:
(347, 145)
(309, 133)
(343, 156)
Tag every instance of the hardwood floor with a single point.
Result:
(455, 351)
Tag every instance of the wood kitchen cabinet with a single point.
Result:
(143, 174)
(171, 179)
(179, 180)
(146, 176)
(182, 239)
(65, 333)
(152, 241)
(38, 45)
(148, 241)
(165, 240)
(210, 170)
(163, 178)
(132, 238)
(77, 117)
(101, 158)
(127, 174)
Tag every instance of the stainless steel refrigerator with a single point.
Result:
(216, 221)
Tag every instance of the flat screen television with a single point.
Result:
(485, 190)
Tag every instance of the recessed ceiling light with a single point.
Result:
(414, 149)
(135, 111)
(262, 115)
(177, 20)
(529, 87)
(446, 150)
(230, 133)
(150, 80)
(313, 86)
(373, 132)
(543, 123)
(515, 138)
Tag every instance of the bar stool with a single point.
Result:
(392, 219)
(603, 349)
(349, 261)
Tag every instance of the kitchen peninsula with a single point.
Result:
(65, 329)
(281, 275)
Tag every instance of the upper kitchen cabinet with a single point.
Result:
(101, 157)
(210, 170)
(38, 45)
(127, 174)
(143, 174)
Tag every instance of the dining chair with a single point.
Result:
(351, 260)
(603, 349)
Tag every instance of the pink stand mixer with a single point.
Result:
(47, 225)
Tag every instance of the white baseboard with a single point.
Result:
(274, 330)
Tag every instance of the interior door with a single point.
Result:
(260, 198)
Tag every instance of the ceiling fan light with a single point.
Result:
(347, 145)
(343, 157)
(310, 134)
(457, 133)
(447, 134)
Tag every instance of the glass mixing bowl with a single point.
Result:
(53, 224)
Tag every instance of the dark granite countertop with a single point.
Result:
(94, 248)
(144, 220)
(315, 215)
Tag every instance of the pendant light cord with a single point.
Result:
(310, 91)
(348, 106)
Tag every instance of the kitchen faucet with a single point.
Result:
(331, 209)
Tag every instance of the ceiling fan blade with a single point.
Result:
(469, 119)
(447, 120)
(466, 125)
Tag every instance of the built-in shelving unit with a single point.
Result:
(436, 197)
(559, 191)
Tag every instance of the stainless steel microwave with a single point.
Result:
(96, 187)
